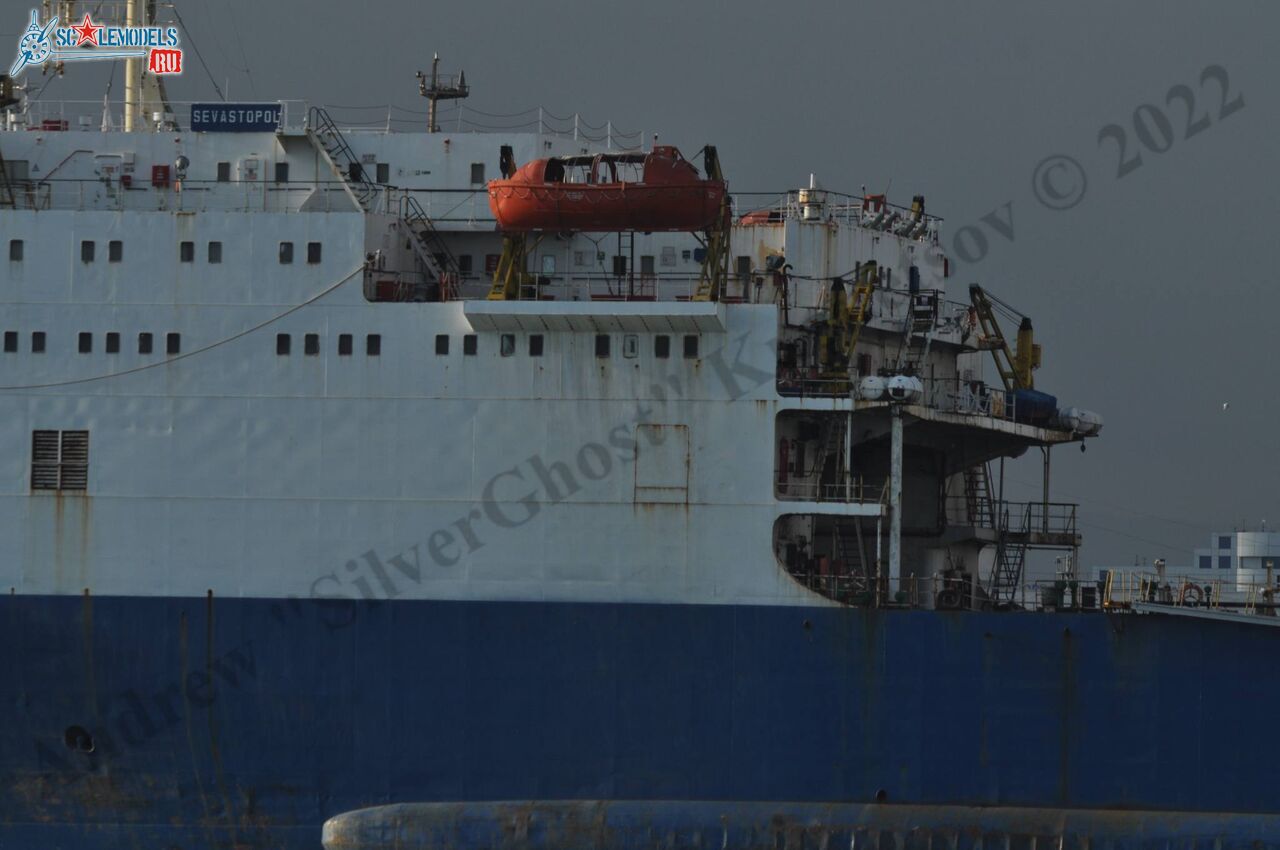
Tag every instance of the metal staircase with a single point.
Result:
(831, 471)
(435, 260)
(978, 499)
(922, 318)
(1011, 558)
(847, 549)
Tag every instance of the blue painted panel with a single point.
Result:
(255, 720)
(235, 117)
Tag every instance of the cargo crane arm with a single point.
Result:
(715, 265)
(1014, 365)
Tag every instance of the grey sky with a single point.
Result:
(1154, 297)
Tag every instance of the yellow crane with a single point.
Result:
(715, 265)
(1016, 366)
(846, 316)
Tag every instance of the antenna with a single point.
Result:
(440, 88)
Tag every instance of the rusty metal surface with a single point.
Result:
(701, 825)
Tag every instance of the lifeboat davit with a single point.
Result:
(660, 190)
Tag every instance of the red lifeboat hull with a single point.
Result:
(669, 194)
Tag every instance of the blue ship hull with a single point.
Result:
(152, 722)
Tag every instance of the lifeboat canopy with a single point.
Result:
(655, 191)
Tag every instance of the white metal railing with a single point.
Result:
(179, 196)
(826, 205)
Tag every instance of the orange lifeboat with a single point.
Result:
(660, 190)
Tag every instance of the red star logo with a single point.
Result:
(87, 32)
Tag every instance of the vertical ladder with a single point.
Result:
(436, 261)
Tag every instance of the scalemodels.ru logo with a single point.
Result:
(87, 40)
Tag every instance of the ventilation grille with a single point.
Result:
(59, 460)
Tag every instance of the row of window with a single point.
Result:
(630, 345)
(311, 345)
(1224, 562)
(381, 170)
(186, 251)
(84, 342)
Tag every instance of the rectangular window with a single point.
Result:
(10, 341)
(1206, 563)
(619, 266)
(173, 343)
(113, 343)
(1224, 542)
(15, 250)
(344, 345)
(464, 263)
(630, 345)
(282, 172)
(646, 264)
(86, 251)
(690, 346)
(548, 265)
(187, 252)
(215, 253)
(86, 342)
(1224, 562)
(490, 263)
(469, 345)
(286, 253)
(145, 344)
(579, 258)
(442, 344)
(477, 173)
(37, 342)
(662, 346)
(507, 345)
(313, 253)
(115, 251)
(535, 345)
(59, 460)
(283, 343)
(224, 172)
(668, 255)
(602, 345)
(311, 345)
(373, 345)
(383, 173)
(744, 268)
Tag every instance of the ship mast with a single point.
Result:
(440, 88)
(132, 70)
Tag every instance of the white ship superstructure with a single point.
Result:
(292, 329)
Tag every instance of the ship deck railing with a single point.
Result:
(88, 115)
(1121, 592)
(855, 490)
(947, 593)
(1124, 589)
(800, 205)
